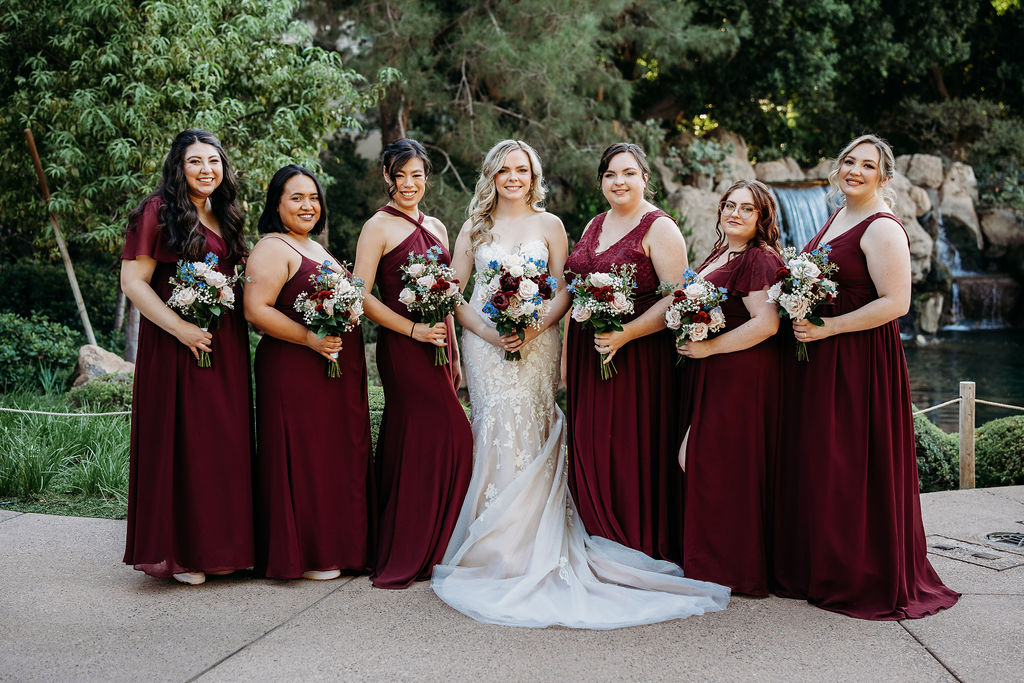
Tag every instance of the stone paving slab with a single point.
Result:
(8, 514)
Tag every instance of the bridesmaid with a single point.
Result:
(425, 449)
(848, 532)
(190, 480)
(724, 534)
(623, 436)
(314, 487)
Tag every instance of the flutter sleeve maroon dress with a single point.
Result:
(314, 477)
(623, 432)
(425, 447)
(190, 477)
(848, 532)
(731, 406)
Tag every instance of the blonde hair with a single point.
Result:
(886, 165)
(485, 196)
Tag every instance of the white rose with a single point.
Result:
(672, 319)
(527, 289)
(343, 287)
(406, 296)
(775, 291)
(184, 297)
(357, 309)
(619, 304)
(699, 332)
(215, 279)
(694, 290)
(528, 308)
(601, 280)
(453, 288)
(427, 281)
(717, 318)
(227, 295)
(795, 306)
(515, 307)
(201, 268)
(580, 314)
(417, 269)
(329, 306)
(516, 271)
(803, 269)
(512, 260)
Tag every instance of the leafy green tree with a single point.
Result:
(105, 86)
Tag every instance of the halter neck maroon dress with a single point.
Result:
(623, 432)
(314, 493)
(731, 406)
(425, 448)
(848, 532)
(190, 477)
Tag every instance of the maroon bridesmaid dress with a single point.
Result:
(190, 477)
(623, 432)
(730, 404)
(848, 532)
(425, 448)
(314, 478)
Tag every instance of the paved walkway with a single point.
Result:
(69, 610)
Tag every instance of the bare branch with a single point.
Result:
(449, 164)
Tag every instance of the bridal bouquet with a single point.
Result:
(696, 310)
(514, 291)
(801, 285)
(601, 300)
(201, 293)
(334, 307)
(432, 290)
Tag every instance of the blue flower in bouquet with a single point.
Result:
(552, 283)
(433, 253)
(493, 264)
(211, 259)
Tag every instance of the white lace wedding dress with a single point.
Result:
(519, 554)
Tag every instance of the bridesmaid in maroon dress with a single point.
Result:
(313, 474)
(425, 448)
(725, 528)
(848, 533)
(190, 480)
(623, 433)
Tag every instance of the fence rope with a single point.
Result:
(998, 405)
(46, 412)
(941, 405)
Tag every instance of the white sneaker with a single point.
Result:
(322, 575)
(191, 578)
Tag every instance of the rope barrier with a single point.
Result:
(941, 405)
(46, 412)
(998, 405)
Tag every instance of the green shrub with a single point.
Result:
(376, 397)
(108, 393)
(938, 456)
(999, 452)
(33, 350)
(998, 160)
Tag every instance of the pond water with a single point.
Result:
(992, 359)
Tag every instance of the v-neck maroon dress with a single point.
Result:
(425, 447)
(314, 494)
(190, 478)
(848, 532)
(623, 432)
(731, 406)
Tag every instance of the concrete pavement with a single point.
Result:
(69, 610)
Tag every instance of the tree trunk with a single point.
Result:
(394, 116)
(119, 311)
(131, 334)
(939, 81)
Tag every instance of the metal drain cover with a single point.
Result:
(973, 553)
(1012, 539)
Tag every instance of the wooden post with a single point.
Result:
(967, 435)
(60, 241)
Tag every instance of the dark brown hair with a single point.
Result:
(766, 234)
(638, 154)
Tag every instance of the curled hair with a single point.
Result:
(396, 155)
(641, 161)
(886, 167)
(766, 232)
(178, 216)
(270, 219)
(485, 196)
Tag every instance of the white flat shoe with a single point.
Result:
(322, 575)
(191, 578)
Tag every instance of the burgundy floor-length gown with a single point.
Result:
(731, 406)
(623, 432)
(848, 532)
(190, 476)
(314, 493)
(425, 448)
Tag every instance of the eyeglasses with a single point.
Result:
(746, 210)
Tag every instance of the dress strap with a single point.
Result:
(395, 212)
(290, 245)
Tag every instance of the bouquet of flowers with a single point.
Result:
(514, 291)
(201, 293)
(696, 310)
(601, 300)
(334, 307)
(801, 285)
(432, 290)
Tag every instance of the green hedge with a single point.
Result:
(938, 457)
(35, 353)
(108, 393)
(999, 452)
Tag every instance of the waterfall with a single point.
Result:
(802, 212)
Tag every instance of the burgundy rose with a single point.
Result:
(543, 288)
(701, 317)
(509, 283)
(782, 272)
(500, 301)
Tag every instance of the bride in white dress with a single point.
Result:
(519, 554)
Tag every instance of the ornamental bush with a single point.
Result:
(938, 457)
(108, 393)
(999, 452)
(33, 350)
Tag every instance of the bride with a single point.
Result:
(519, 554)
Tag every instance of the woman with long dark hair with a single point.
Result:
(314, 487)
(425, 448)
(190, 482)
(730, 401)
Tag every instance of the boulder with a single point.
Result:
(906, 209)
(921, 200)
(668, 179)
(929, 311)
(698, 211)
(778, 171)
(820, 171)
(94, 361)
(923, 170)
(733, 168)
(1002, 229)
(957, 196)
